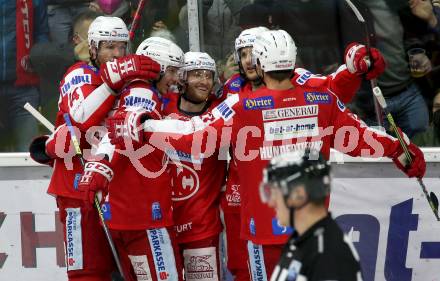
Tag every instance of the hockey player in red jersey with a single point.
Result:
(344, 83)
(87, 93)
(275, 119)
(138, 208)
(197, 178)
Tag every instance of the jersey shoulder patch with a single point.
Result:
(304, 77)
(140, 97)
(91, 68)
(301, 76)
(224, 109)
(235, 83)
(74, 78)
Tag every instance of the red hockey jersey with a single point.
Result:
(231, 199)
(343, 83)
(87, 101)
(140, 192)
(196, 182)
(267, 123)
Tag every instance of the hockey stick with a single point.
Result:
(96, 201)
(39, 117)
(373, 82)
(136, 18)
(51, 127)
(431, 197)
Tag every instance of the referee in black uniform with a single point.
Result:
(296, 186)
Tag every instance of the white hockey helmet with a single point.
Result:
(107, 29)
(276, 51)
(247, 39)
(163, 51)
(197, 60)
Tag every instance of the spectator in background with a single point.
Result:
(254, 15)
(422, 30)
(182, 32)
(315, 27)
(235, 6)
(227, 68)
(61, 14)
(51, 60)
(79, 39)
(158, 16)
(432, 136)
(114, 8)
(403, 95)
(424, 10)
(22, 27)
(158, 10)
(219, 27)
(160, 29)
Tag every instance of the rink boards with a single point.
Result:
(384, 213)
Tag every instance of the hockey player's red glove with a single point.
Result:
(417, 167)
(95, 180)
(357, 61)
(126, 126)
(120, 72)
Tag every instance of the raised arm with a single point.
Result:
(138, 128)
(353, 137)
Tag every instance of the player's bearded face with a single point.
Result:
(109, 50)
(246, 62)
(200, 83)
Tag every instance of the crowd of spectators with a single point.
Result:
(41, 39)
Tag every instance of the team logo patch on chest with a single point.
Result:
(233, 197)
(74, 80)
(185, 182)
(266, 102)
(290, 112)
(291, 128)
(146, 103)
(317, 98)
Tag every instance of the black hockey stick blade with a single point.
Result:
(434, 200)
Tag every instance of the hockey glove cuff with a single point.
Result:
(358, 61)
(417, 167)
(95, 179)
